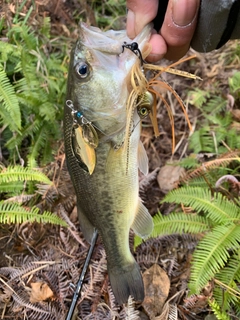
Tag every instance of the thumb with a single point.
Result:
(140, 13)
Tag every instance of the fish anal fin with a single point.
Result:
(86, 227)
(142, 159)
(143, 223)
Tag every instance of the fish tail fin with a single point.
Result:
(125, 282)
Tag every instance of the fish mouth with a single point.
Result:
(111, 41)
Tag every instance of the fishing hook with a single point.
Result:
(79, 284)
(135, 49)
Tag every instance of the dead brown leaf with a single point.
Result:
(157, 285)
(12, 7)
(236, 114)
(40, 292)
(168, 177)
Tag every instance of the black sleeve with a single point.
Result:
(218, 21)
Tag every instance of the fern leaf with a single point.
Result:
(202, 140)
(8, 50)
(217, 311)
(14, 213)
(226, 291)
(10, 103)
(38, 147)
(218, 208)
(14, 187)
(212, 254)
(234, 82)
(176, 223)
(198, 97)
(45, 28)
(17, 173)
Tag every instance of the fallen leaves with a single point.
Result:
(40, 292)
(168, 177)
(157, 285)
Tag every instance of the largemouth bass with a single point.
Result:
(103, 170)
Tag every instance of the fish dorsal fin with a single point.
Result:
(142, 224)
(142, 159)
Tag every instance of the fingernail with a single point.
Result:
(184, 11)
(131, 24)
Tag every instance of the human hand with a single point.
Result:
(206, 27)
(174, 38)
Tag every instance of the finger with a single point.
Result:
(159, 48)
(140, 13)
(178, 26)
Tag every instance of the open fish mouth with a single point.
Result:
(111, 41)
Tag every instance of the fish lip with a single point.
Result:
(111, 41)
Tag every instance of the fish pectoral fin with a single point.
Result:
(142, 159)
(143, 223)
(86, 227)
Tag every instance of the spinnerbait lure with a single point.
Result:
(84, 139)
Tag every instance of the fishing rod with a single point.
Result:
(79, 284)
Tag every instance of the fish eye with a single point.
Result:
(82, 69)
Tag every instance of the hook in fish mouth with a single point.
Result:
(135, 49)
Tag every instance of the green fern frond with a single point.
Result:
(231, 272)
(198, 97)
(215, 105)
(217, 311)
(23, 36)
(9, 51)
(9, 101)
(14, 213)
(202, 140)
(226, 291)
(45, 27)
(234, 82)
(218, 208)
(212, 254)
(17, 139)
(38, 146)
(17, 173)
(176, 223)
(179, 223)
(12, 188)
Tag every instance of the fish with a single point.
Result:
(104, 171)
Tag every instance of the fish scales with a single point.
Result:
(107, 198)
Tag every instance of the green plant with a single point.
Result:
(217, 253)
(15, 213)
(15, 180)
(107, 13)
(32, 90)
(216, 129)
